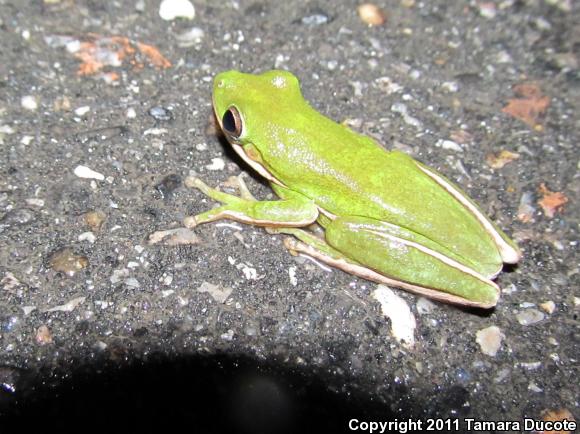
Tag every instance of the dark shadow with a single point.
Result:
(218, 394)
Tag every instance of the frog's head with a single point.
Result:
(245, 104)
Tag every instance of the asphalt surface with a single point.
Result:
(227, 330)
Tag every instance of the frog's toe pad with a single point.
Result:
(194, 182)
(190, 222)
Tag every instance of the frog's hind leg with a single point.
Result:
(365, 248)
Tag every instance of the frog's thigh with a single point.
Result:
(394, 253)
(295, 211)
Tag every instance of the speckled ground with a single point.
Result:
(91, 311)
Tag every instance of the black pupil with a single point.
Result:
(229, 122)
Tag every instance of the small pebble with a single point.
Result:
(526, 209)
(292, 274)
(548, 306)
(160, 113)
(425, 306)
(487, 10)
(131, 282)
(28, 309)
(371, 14)
(216, 164)
(174, 237)
(26, 140)
(530, 316)
(85, 172)
(43, 335)
(94, 219)
(228, 336)
(450, 86)
(33, 201)
(119, 275)
(81, 111)
(66, 261)
(68, 306)
(316, 18)
(191, 36)
(218, 293)
(29, 102)
(397, 310)
(87, 236)
(155, 131)
(449, 144)
(172, 9)
(489, 340)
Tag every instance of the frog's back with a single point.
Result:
(346, 173)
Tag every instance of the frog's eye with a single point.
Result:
(232, 122)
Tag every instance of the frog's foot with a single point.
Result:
(293, 211)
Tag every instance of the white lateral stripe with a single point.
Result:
(369, 274)
(254, 164)
(507, 252)
(446, 260)
(233, 215)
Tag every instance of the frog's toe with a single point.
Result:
(190, 222)
(195, 182)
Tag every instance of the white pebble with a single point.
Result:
(228, 336)
(171, 9)
(87, 236)
(397, 310)
(216, 164)
(131, 113)
(68, 306)
(292, 273)
(28, 309)
(33, 201)
(489, 340)
(530, 316)
(450, 86)
(155, 131)
(26, 140)
(425, 306)
(449, 144)
(85, 172)
(29, 102)
(81, 111)
(191, 36)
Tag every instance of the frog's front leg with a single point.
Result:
(294, 210)
(392, 255)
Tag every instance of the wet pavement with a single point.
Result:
(105, 109)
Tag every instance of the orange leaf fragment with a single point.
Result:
(529, 106)
(497, 161)
(154, 55)
(97, 52)
(556, 416)
(552, 201)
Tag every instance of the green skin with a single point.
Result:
(387, 217)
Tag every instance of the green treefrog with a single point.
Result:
(386, 217)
